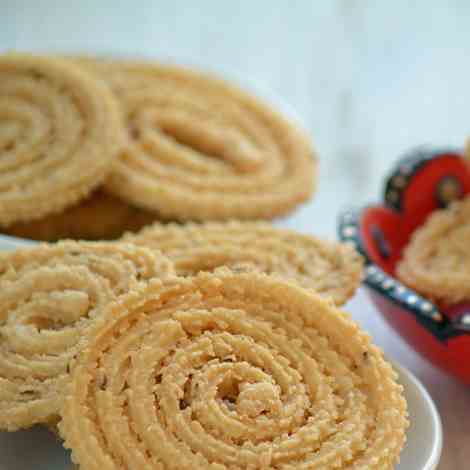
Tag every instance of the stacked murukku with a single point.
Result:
(162, 141)
(100, 216)
(333, 269)
(436, 262)
(236, 371)
(49, 297)
(60, 129)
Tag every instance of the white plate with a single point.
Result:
(424, 438)
(37, 449)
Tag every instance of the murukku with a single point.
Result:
(333, 269)
(198, 148)
(436, 262)
(99, 217)
(60, 129)
(49, 297)
(239, 371)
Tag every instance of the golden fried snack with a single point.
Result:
(436, 262)
(60, 129)
(198, 148)
(332, 269)
(49, 297)
(231, 371)
(99, 217)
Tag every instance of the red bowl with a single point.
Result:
(424, 180)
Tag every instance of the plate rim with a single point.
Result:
(437, 446)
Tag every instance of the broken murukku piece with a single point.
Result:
(436, 261)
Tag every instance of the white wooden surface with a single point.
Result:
(368, 79)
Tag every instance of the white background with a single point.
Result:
(368, 79)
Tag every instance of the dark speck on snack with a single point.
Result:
(103, 382)
(37, 75)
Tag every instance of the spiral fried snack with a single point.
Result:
(99, 217)
(436, 262)
(332, 269)
(231, 371)
(60, 128)
(198, 148)
(49, 297)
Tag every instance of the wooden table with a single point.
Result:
(368, 79)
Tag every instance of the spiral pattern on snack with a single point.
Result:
(60, 128)
(198, 148)
(49, 297)
(332, 269)
(231, 371)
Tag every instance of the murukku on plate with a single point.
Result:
(333, 269)
(49, 297)
(199, 148)
(231, 371)
(60, 130)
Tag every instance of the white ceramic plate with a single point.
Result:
(424, 438)
(37, 449)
